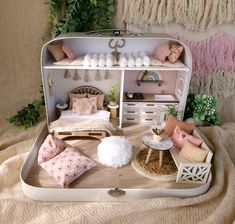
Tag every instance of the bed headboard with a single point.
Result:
(91, 90)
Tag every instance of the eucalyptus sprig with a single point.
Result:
(29, 115)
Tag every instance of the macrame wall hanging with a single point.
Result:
(213, 58)
(216, 52)
(213, 65)
(194, 15)
(218, 83)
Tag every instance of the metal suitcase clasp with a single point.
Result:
(116, 192)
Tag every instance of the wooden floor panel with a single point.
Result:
(103, 176)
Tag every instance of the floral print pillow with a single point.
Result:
(84, 106)
(68, 166)
(50, 148)
(176, 51)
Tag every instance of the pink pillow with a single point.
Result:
(68, 166)
(180, 136)
(162, 52)
(50, 148)
(93, 101)
(173, 121)
(75, 95)
(68, 51)
(82, 106)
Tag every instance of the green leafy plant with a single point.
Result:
(79, 15)
(173, 110)
(29, 115)
(113, 93)
(201, 108)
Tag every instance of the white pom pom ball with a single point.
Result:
(114, 151)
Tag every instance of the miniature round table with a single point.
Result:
(164, 144)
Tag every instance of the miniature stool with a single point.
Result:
(60, 107)
(113, 110)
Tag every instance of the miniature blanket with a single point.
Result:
(215, 206)
(61, 125)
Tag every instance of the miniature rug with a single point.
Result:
(215, 206)
(151, 170)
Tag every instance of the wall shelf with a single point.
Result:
(148, 76)
(160, 68)
(159, 82)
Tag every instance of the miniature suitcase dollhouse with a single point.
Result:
(145, 89)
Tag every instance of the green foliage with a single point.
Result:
(79, 15)
(172, 109)
(201, 108)
(29, 115)
(113, 93)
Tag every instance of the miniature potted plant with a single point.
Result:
(172, 110)
(113, 95)
(202, 108)
(157, 130)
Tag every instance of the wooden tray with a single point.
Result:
(101, 183)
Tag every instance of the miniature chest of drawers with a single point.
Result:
(146, 112)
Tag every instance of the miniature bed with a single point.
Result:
(70, 124)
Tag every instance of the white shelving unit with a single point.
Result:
(82, 44)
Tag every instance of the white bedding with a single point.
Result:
(70, 121)
(100, 114)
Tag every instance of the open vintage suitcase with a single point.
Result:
(104, 183)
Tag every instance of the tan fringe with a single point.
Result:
(193, 15)
(218, 83)
(154, 11)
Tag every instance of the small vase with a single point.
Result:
(156, 138)
(112, 103)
